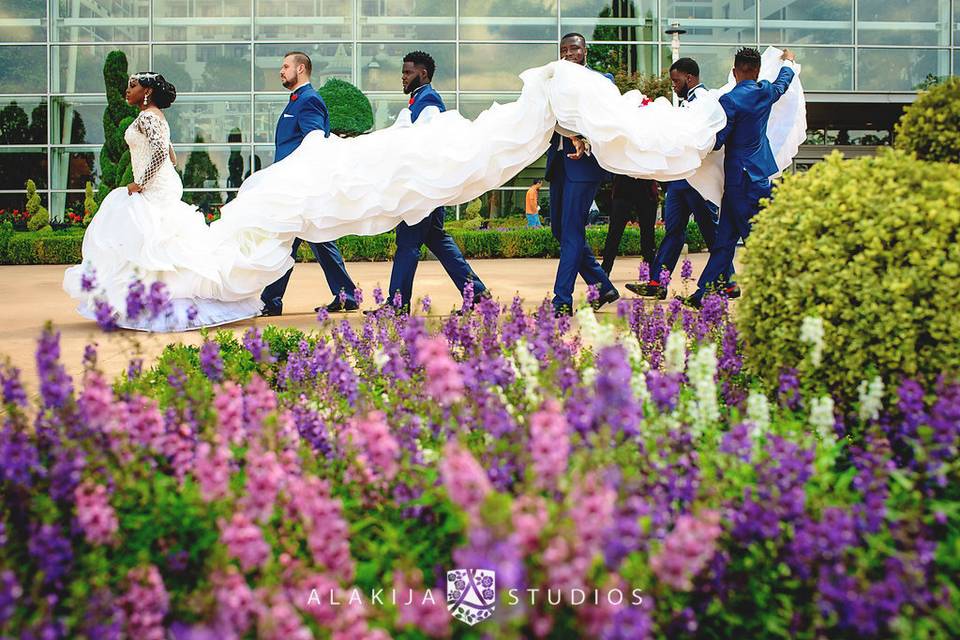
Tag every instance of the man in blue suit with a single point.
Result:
(575, 176)
(748, 162)
(682, 201)
(426, 103)
(306, 112)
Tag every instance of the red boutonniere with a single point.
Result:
(411, 101)
(293, 97)
(645, 102)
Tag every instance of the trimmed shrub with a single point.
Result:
(350, 110)
(870, 247)
(930, 127)
(114, 158)
(90, 205)
(39, 216)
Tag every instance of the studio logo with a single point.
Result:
(471, 594)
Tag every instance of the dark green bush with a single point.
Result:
(114, 158)
(350, 110)
(930, 127)
(870, 247)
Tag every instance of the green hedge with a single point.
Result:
(63, 247)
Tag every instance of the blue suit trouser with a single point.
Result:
(569, 207)
(681, 202)
(328, 255)
(430, 232)
(741, 202)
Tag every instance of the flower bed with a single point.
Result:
(63, 247)
(624, 480)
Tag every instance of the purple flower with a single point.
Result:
(358, 295)
(254, 343)
(52, 553)
(210, 361)
(686, 269)
(88, 281)
(789, 389)
(192, 313)
(158, 302)
(643, 272)
(90, 356)
(593, 293)
(425, 304)
(13, 392)
(664, 279)
(10, 593)
(105, 315)
(19, 458)
(342, 297)
(56, 387)
(664, 389)
(136, 303)
(134, 368)
(378, 295)
(614, 404)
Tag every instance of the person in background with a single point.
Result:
(533, 203)
(632, 196)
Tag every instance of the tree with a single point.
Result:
(199, 170)
(39, 216)
(89, 205)
(350, 110)
(14, 125)
(118, 115)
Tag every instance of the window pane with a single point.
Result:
(79, 68)
(23, 69)
(471, 105)
(825, 69)
(17, 165)
(72, 167)
(17, 200)
(23, 21)
(204, 67)
(899, 69)
(77, 120)
(712, 21)
(715, 62)
(628, 58)
(304, 20)
(807, 21)
(210, 118)
(956, 31)
(329, 61)
(616, 21)
(201, 20)
(205, 167)
(23, 121)
(497, 67)
(262, 156)
(267, 110)
(380, 65)
(101, 21)
(514, 20)
(405, 20)
(915, 22)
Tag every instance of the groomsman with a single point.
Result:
(748, 162)
(306, 112)
(425, 104)
(681, 202)
(574, 177)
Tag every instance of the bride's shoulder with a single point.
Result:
(149, 121)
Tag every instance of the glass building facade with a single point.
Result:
(223, 56)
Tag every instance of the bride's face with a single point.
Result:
(135, 92)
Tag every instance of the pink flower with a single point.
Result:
(146, 422)
(549, 443)
(428, 616)
(212, 470)
(145, 604)
(97, 518)
(258, 402)
(265, 476)
(328, 536)
(443, 379)
(244, 541)
(687, 549)
(281, 621)
(228, 402)
(178, 445)
(530, 517)
(466, 482)
(236, 606)
(96, 401)
(379, 452)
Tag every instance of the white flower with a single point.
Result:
(380, 358)
(595, 335)
(528, 369)
(758, 413)
(811, 332)
(675, 353)
(871, 399)
(701, 371)
(588, 376)
(821, 416)
(638, 381)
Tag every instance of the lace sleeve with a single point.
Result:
(151, 126)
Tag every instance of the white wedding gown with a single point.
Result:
(332, 187)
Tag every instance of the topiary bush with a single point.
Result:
(350, 110)
(114, 157)
(39, 216)
(870, 247)
(930, 127)
(90, 205)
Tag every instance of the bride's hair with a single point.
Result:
(164, 93)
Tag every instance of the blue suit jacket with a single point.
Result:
(301, 116)
(423, 97)
(748, 108)
(586, 169)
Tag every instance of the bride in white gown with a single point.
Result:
(332, 187)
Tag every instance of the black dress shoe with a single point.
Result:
(606, 298)
(733, 291)
(269, 312)
(692, 301)
(337, 307)
(563, 311)
(647, 290)
(403, 310)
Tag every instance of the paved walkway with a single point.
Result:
(33, 295)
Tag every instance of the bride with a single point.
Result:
(332, 187)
